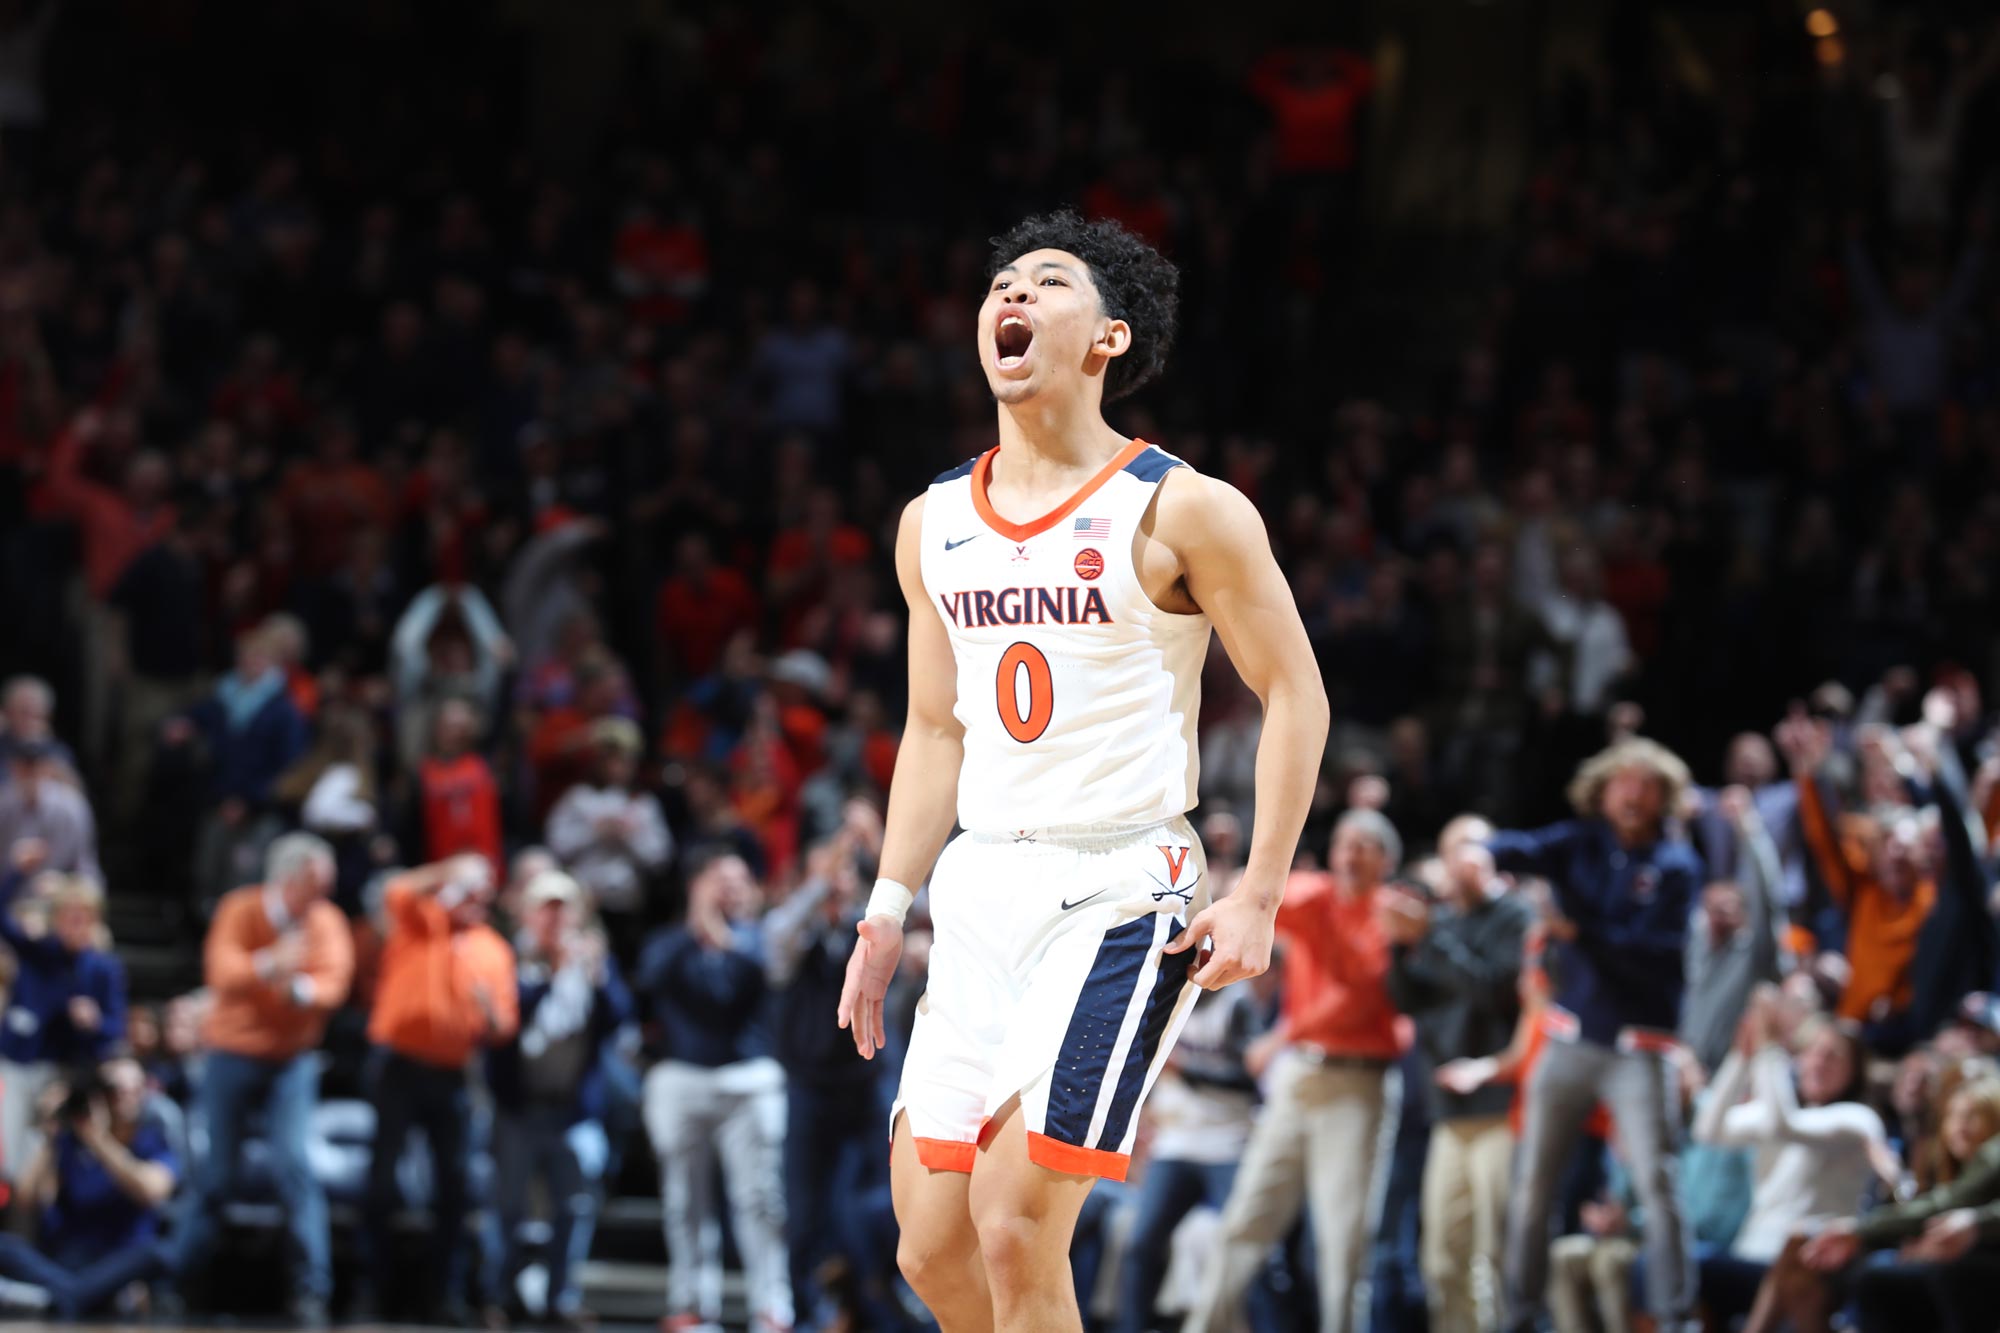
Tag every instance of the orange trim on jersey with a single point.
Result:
(1020, 532)
(1072, 1160)
(946, 1154)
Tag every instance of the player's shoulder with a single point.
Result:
(1153, 464)
(1197, 508)
(960, 473)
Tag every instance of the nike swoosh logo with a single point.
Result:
(951, 545)
(1067, 905)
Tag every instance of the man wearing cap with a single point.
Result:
(549, 1082)
(278, 962)
(612, 837)
(447, 992)
(37, 803)
(1314, 1143)
(1623, 887)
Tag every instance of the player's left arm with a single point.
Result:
(1229, 571)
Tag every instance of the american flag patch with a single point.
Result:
(1092, 529)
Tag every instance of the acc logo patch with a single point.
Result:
(1089, 564)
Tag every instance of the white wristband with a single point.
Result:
(890, 899)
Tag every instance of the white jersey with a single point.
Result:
(1077, 694)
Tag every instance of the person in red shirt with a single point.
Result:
(1314, 97)
(699, 607)
(117, 524)
(1314, 1144)
(1130, 195)
(460, 799)
(330, 497)
(804, 557)
(560, 751)
(661, 265)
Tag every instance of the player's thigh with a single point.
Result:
(1018, 1206)
(932, 1205)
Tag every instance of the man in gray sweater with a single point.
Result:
(1454, 969)
(1737, 938)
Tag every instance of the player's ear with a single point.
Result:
(1114, 338)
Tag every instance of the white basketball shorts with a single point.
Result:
(1047, 980)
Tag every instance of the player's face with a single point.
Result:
(1043, 323)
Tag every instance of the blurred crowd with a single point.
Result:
(456, 597)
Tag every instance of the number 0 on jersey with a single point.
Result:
(1025, 657)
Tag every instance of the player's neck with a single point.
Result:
(1055, 436)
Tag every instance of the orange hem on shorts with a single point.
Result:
(946, 1154)
(1072, 1160)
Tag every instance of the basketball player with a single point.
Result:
(1061, 589)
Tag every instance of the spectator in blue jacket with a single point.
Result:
(550, 1084)
(251, 732)
(717, 1093)
(1623, 890)
(99, 1181)
(67, 1005)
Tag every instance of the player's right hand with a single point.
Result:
(869, 971)
(1239, 934)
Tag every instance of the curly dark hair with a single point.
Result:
(1134, 282)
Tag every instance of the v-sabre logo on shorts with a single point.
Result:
(1176, 862)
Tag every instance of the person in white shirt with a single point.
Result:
(1580, 620)
(1817, 1145)
(611, 838)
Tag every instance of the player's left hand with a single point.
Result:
(1239, 934)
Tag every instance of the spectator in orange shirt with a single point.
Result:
(446, 992)
(1314, 1144)
(278, 962)
(1878, 877)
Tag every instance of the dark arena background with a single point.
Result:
(472, 436)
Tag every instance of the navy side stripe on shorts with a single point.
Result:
(1085, 1058)
(1168, 983)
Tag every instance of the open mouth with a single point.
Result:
(1011, 339)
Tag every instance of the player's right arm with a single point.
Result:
(923, 794)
